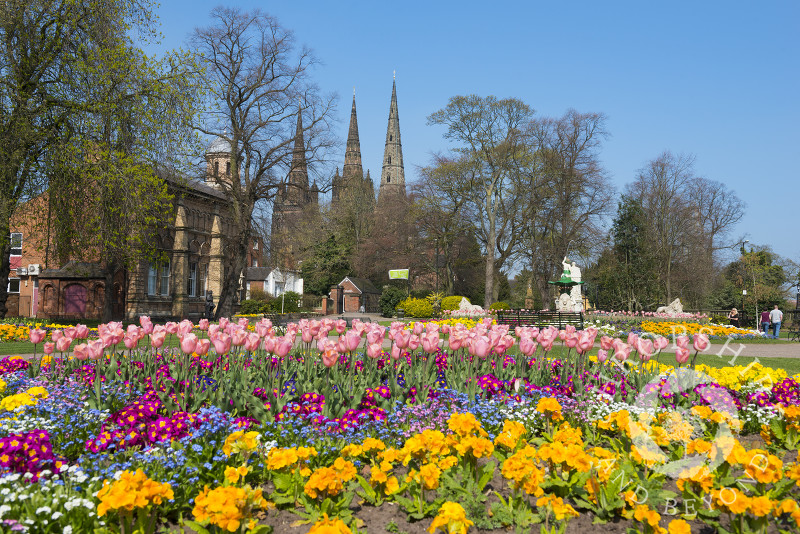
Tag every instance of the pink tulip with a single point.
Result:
(49, 348)
(70, 332)
(632, 338)
(188, 343)
(430, 342)
(213, 330)
(622, 351)
(413, 342)
(202, 324)
(329, 358)
(602, 355)
(585, 342)
(202, 346)
(223, 322)
(263, 327)
(571, 339)
(238, 337)
(374, 350)
(606, 343)
(63, 343)
(130, 341)
(353, 340)
(403, 338)
(307, 335)
(172, 327)
(283, 347)
(645, 349)
(418, 327)
(527, 346)
(269, 343)
(81, 331)
(661, 343)
(396, 352)
(682, 342)
(184, 327)
(455, 342)
(107, 339)
(701, 342)
(157, 338)
(55, 335)
(376, 335)
(37, 335)
(96, 348)
(251, 342)
(480, 347)
(80, 351)
(243, 322)
(222, 343)
(682, 355)
(340, 325)
(144, 320)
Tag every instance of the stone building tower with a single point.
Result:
(393, 178)
(291, 202)
(218, 161)
(353, 172)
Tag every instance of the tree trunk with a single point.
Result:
(490, 251)
(5, 263)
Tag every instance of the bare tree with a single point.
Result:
(564, 192)
(489, 136)
(661, 188)
(255, 78)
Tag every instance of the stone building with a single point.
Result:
(192, 248)
(393, 178)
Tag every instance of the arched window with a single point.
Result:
(216, 168)
(390, 137)
(228, 168)
(388, 178)
(390, 160)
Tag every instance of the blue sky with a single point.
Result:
(720, 80)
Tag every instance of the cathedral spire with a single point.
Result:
(352, 155)
(299, 166)
(393, 178)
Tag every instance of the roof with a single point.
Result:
(362, 284)
(219, 146)
(257, 273)
(75, 270)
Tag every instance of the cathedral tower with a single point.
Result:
(291, 201)
(352, 157)
(393, 178)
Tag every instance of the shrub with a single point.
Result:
(719, 319)
(251, 306)
(289, 300)
(500, 305)
(258, 294)
(390, 298)
(451, 303)
(416, 307)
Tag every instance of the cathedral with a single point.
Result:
(297, 196)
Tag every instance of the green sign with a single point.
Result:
(398, 274)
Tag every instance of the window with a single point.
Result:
(216, 168)
(152, 279)
(13, 285)
(390, 138)
(165, 279)
(228, 168)
(16, 244)
(390, 159)
(388, 178)
(254, 262)
(191, 283)
(278, 289)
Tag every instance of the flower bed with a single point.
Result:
(487, 430)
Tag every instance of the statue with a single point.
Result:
(674, 308)
(564, 303)
(465, 306)
(575, 293)
(209, 312)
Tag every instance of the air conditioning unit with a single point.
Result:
(22, 271)
(33, 269)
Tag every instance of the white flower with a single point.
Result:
(56, 515)
(67, 529)
(43, 510)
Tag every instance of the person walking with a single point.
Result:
(765, 322)
(733, 317)
(776, 316)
